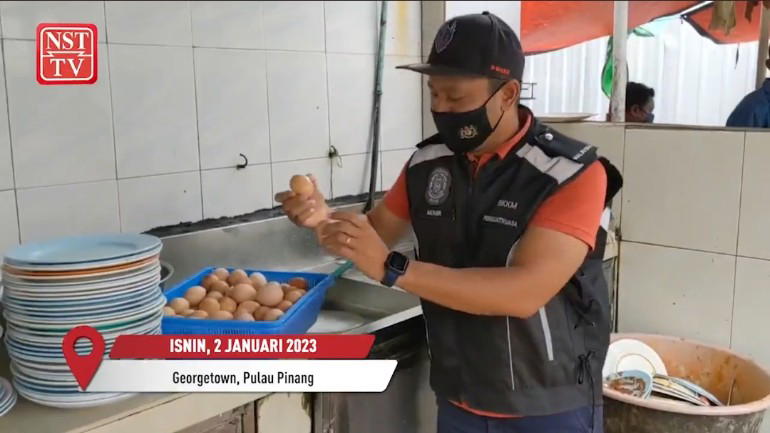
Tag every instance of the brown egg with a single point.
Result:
(228, 304)
(199, 314)
(246, 317)
(258, 279)
(222, 273)
(299, 283)
(250, 306)
(209, 280)
(260, 313)
(294, 295)
(273, 314)
(195, 295)
(187, 313)
(270, 294)
(284, 305)
(302, 185)
(221, 315)
(237, 276)
(179, 304)
(168, 311)
(209, 305)
(219, 286)
(287, 288)
(243, 292)
(215, 295)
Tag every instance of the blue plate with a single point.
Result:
(81, 249)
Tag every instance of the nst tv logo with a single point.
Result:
(66, 53)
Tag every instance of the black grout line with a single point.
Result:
(267, 110)
(197, 121)
(328, 107)
(738, 238)
(112, 117)
(10, 141)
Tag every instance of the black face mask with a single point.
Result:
(464, 132)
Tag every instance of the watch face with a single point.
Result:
(398, 262)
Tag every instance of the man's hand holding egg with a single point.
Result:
(304, 204)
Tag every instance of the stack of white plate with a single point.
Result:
(7, 396)
(108, 282)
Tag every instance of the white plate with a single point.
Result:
(94, 310)
(86, 265)
(628, 354)
(144, 277)
(118, 278)
(9, 278)
(34, 323)
(82, 249)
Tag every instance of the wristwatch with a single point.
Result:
(395, 266)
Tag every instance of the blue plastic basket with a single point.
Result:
(297, 319)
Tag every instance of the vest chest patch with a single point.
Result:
(439, 183)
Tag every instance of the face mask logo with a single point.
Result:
(468, 132)
(438, 186)
(444, 36)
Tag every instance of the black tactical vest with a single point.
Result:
(550, 362)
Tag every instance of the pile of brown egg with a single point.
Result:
(225, 295)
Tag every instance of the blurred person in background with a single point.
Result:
(754, 109)
(640, 103)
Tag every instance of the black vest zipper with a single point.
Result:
(470, 218)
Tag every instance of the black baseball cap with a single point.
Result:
(477, 45)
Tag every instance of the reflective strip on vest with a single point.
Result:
(429, 153)
(559, 168)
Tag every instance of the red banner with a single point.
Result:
(242, 347)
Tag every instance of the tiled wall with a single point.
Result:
(183, 89)
(695, 256)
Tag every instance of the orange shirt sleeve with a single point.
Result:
(576, 209)
(396, 199)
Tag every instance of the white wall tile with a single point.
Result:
(353, 177)
(155, 201)
(755, 201)
(232, 107)
(9, 223)
(6, 166)
(299, 123)
(154, 105)
(351, 26)
(351, 89)
(682, 188)
(60, 134)
(404, 29)
(20, 18)
(231, 192)
(67, 210)
(149, 22)
(227, 24)
(752, 302)
(401, 105)
(676, 292)
(392, 164)
(320, 168)
(293, 25)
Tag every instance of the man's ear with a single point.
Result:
(511, 93)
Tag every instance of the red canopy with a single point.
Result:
(744, 31)
(552, 25)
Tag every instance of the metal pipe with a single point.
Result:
(376, 112)
(764, 35)
(619, 77)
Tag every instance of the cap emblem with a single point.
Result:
(445, 35)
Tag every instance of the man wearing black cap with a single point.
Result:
(507, 216)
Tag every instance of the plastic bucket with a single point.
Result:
(726, 374)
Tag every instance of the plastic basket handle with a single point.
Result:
(342, 269)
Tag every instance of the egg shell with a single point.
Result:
(299, 283)
(273, 314)
(187, 313)
(294, 295)
(302, 185)
(250, 306)
(243, 292)
(258, 279)
(179, 304)
(215, 295)
(221, 315)
(260, 313)
(237, 276)
(168, 311)
(284, 305)
(209, 280)
(222, 273)
(195, 295)
(270, 294)
(199, 314)
(287, 288)
(228, 304)
(219, 286)
(209, 305)
(246, 317)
